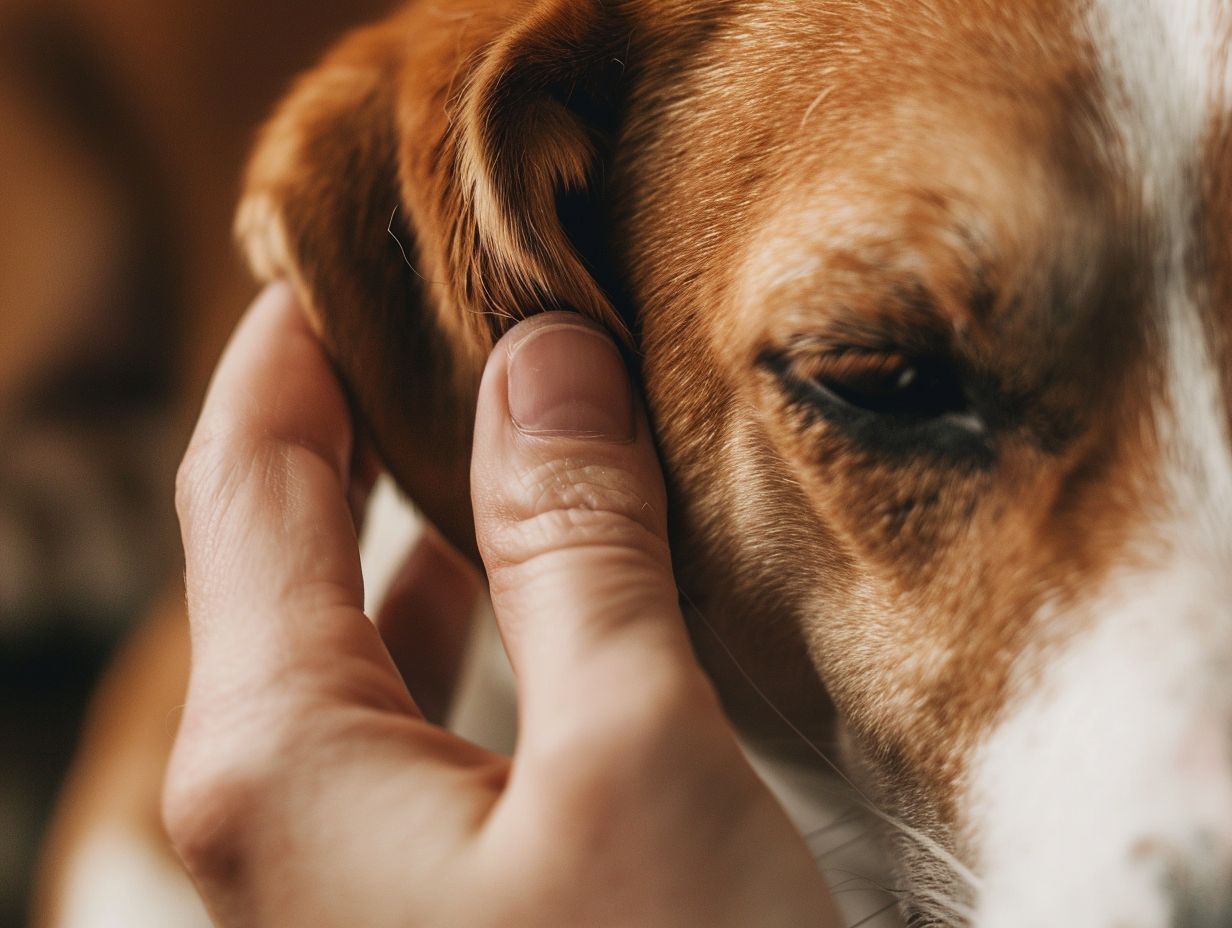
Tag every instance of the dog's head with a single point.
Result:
(931, 301)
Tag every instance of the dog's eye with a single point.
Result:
(888, 400)
(884, 398)
(889, 384)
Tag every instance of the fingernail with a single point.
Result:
(568, 379)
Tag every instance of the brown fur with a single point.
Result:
(762, 193)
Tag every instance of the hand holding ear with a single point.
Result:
(307, 789)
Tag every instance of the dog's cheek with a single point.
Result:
(899, 515)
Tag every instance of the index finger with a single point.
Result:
(272, 562)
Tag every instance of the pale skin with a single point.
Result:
(306, 788)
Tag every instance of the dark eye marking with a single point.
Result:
(887, 400)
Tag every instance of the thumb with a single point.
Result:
(570, 519)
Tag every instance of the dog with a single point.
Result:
(930, 305)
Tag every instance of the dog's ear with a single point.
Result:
(412, 189)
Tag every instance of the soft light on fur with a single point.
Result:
(758, 185)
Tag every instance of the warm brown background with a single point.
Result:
(124, 127)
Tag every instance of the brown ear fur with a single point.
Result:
(408, 188)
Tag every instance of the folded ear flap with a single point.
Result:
(530, 131)
(409, 188)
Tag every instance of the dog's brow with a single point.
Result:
(856, 301)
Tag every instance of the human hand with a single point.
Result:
(307, 789)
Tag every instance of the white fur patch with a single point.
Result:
(1167, 74)
(1105, 798)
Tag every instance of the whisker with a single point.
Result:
(853, 877)
(868, 918)
(770, 742)
(928, 844)
(923, 841)
(942, 905)
(841, 847)
(840, 890)
(761, 694)
(837, 823)
(496, 314)
(402, 248)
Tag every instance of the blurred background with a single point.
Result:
(123, 130)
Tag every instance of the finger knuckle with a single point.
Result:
(568, 504)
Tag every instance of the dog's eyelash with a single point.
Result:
(886, 401)
(888, 383)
